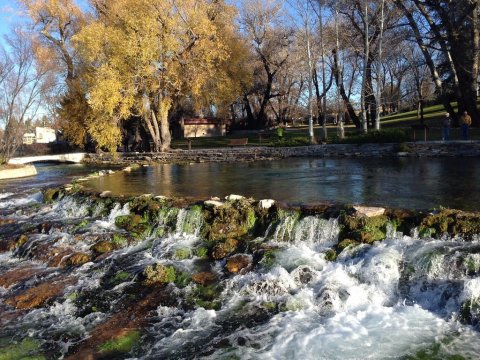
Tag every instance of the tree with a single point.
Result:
(145, 55)
(56, 22)
(271, 41)
(22, 81)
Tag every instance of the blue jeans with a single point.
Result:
(446, 133)
(465, 131)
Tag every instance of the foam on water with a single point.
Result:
(14, 201)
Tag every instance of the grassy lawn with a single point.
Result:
(433, 118)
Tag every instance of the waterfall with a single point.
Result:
(79, 287)
(189, 221)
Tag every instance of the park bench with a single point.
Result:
(237, 142)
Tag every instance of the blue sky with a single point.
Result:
(10, 15)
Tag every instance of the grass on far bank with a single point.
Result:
(398, 123)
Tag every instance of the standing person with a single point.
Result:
(465, 122)
(447, 122)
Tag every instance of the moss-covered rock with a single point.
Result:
(28, 348)
(470, 312)
(120, 345)
(451, 222)
(330, 255)
(52, 194)
(342, 245)
(136, 225)
(119, 241)
(205, 296)
(77, 259)
(182, 253)
(159, 274)
(239, 263)
(222, 250)
(231, 220)
(102, 247)
(19, 242)
(362, 228)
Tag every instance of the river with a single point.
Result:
(422, 183)
(406, 297)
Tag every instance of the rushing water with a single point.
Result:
(407, 183)
(397, 299)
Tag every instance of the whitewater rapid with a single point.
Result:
(396, 299)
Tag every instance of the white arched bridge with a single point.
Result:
(68, 158)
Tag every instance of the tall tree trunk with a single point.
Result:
(365, 69)
(379, 64)
(262, 114)
(324, 84)
(370, 100)
(339, 82)
(152, 126)
(340, 109)
(251, 123)
(165, 105)
(310, 80)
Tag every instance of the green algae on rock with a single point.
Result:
(120, 345)
(159, 274)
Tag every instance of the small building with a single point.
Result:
(202, 127)
(28, 138)
(45, 135)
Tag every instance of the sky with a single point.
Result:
(10, 14)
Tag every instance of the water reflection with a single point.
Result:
(412, 183)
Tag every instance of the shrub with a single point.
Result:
(295, 141)
(378, 137)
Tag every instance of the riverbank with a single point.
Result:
(90, 275)
(411, 149)
(16, 171)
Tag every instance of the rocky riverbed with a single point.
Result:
(87, 275)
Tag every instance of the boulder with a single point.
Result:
(266, 204)
(233, 197)
(213, 203)
(105, 194)
(369, 211)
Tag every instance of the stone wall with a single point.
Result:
(418, 149)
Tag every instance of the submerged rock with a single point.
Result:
(102, 247)
(39, 295)
(204, 278)
(239, 263)
(77, 259)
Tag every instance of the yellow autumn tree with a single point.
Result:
(145, 54)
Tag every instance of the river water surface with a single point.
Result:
(406, 183)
